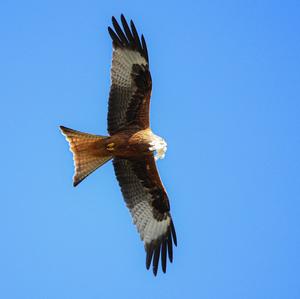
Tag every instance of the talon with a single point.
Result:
(110, 146)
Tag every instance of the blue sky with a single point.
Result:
(226, 97)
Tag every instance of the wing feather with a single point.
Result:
(114, 37)
(164, 255)
(170, 247)
(119, 31)
(131, 83)
(127, 30)
(136, 37)
(145, 48)
(148, 203)
(156, 259)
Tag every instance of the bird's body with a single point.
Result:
(131, 145)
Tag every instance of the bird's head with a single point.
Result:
(159, 146)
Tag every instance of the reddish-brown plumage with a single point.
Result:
(131, 145)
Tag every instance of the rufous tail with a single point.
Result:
(88, 152)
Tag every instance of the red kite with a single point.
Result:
(131, 145)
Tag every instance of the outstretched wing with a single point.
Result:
(147, 200)
(131, 83)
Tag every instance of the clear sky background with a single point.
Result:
(226, 97)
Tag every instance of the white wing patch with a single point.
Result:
(149, 228)
(123, 60)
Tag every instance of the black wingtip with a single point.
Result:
(114, 37)
(145, 48)
(120, 33)
(173, 233)
(149, 255)
(164, 256)
(127, 37)
(161, 249)
(156, 258)
(170, 247)
(136, 36)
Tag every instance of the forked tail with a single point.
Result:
(88, 150)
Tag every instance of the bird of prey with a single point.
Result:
(131, 145)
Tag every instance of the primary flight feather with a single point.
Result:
(131, 145)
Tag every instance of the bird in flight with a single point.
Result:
(131, 145)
